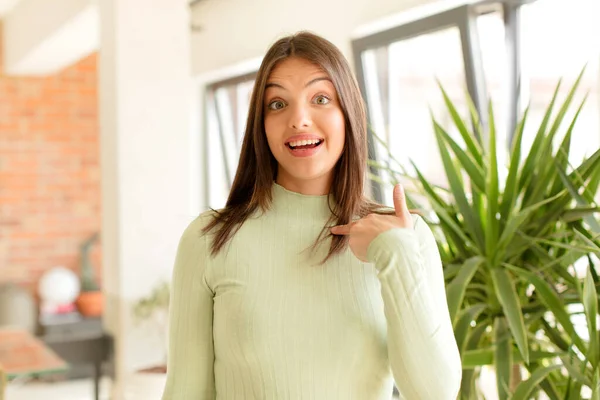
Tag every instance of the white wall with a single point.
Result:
(6, 6)
(144, 90)
(233, 31)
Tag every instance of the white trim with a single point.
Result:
(406, 16)
(235, 70)
(196, 152)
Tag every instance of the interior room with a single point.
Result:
(121, 121)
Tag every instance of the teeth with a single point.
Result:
(303, 142)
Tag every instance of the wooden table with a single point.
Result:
(24, 355)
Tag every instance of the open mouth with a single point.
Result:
(304, 144)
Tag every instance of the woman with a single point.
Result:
(270, 300)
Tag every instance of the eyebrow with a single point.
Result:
(311, 82)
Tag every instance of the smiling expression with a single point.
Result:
(304, 125)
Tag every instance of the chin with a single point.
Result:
(307, 174)
(306, 171)
(314, 178)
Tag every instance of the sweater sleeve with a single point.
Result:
(190, 372)
(422, 349)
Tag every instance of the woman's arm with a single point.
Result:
(190, 373)
(422, 349)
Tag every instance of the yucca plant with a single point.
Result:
(509, 248)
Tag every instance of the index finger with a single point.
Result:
(400, 201)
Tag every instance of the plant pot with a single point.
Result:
(157, 369)
(90, 304)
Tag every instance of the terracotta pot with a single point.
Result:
(90, 304)
(158, 369)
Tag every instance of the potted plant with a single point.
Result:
(90, 301)
(517, 254)
(154, 310)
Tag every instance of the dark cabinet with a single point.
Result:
(84, 345)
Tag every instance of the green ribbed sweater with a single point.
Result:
(262, 320)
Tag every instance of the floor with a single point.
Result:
(138, 386)
(69, 390)
(81, 389)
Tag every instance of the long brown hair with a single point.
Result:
(257, 168)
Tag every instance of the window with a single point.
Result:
(549, 53)
(484, 49)
(399, 70)
(400, 86)
(226, 108)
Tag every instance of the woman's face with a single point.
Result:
(304, 124)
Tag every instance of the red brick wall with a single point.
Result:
(49, 171)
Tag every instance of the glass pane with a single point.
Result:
(243, 94)
(402, 90)
(227, 109)
(215, 168)
(495, 68)
(225, 101)
(549, 53)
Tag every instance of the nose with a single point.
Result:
(300, 117)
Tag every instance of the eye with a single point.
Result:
(322, 99)
(276, 105)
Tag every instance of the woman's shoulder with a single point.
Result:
(196, 227)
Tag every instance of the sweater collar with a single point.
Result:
(305, 206)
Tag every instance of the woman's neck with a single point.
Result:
(312, 187)
(301, 207)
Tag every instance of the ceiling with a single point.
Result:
(6, 6)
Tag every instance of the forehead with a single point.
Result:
(294, 68)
